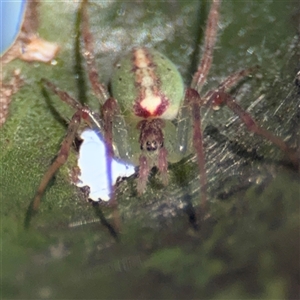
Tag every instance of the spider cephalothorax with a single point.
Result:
(153, 151)
(151, 136)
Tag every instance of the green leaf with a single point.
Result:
(254, 195)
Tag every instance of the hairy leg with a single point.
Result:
(64, 96)
(220, 97)
(99, 89)
(144, 170)
(194, 101)
(228, 83)
(200, 76)
(61, 158)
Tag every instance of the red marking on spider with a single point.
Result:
(145, 112)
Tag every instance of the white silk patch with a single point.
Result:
(98, 172)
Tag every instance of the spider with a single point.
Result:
(149, 99)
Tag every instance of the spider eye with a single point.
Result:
(152, 146)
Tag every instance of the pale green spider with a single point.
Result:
(148, 94)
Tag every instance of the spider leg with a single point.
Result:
(99, 89)
(193, 100)
(109, 109)
(64, 96)
(89, 116)
(144, 170)
(120, 129)
(199, 77)
(221, 97)
(163, 165)
(61, 158)
(229, 82)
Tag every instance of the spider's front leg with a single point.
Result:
(113, 122)
(61, 158)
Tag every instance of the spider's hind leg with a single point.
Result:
(194, 102)
(190, 112)
(221, 97)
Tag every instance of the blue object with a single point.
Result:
(11, 19)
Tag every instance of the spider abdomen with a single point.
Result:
(148, 85)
